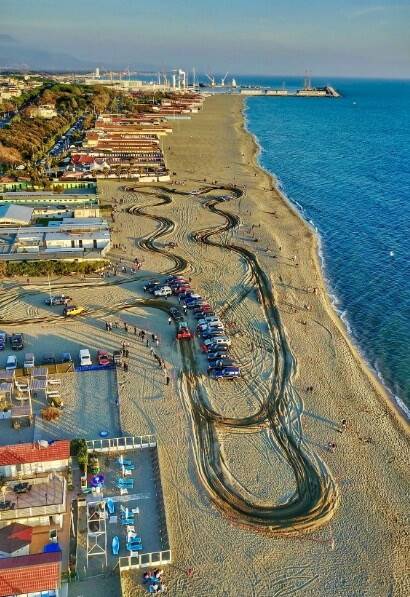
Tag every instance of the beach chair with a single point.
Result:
(128, 483)
(134, 546)
(129, 467)
(126, 472)
(124, 462)
(126, 521)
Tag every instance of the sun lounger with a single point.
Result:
(126, 521)
(129, 467)
(124, 462)
(134, 546)
(128, 483)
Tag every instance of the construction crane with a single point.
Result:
(223, 80)
(212, 80)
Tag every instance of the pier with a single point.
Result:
(326, 91)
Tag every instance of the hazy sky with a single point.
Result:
(329, 37)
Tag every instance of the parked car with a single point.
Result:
(11, 362)
(28, 360)
(66, 357)
(176, 314)
(206, 334)
(220, 352)
(17, 341)
(103, 357)
(49, 358)
(72, 310)
(3, 340)
(220, 363)
(58, 299)
(225, 373)
(181, 291)
(203, 311)
(85, 357)
(183, 331)
(216, 341)
(163, 291)
(151, 285)
(116, 357)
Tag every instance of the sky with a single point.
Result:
(328, 37)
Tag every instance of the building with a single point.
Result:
(15, 540)
(36, 575)
(42, 466)
(63, 238)
(38, 457)
(15, 215)
(43, 111)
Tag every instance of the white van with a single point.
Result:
(28, 360)
(85, 357)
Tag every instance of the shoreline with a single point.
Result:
(398, 407)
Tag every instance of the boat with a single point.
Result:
(115, 545)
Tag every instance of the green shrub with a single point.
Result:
(42, 268)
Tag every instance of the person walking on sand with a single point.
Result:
(135, 331)
(169, 320)
(167, 380)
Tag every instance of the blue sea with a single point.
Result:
(345, 164)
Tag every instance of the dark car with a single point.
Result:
(220, 363)
(220, 353)
(17, 341)
(176, 314)
(49, 359)
(151, 285)
(225, 373)
(205, 334)
(199, 312)
(66, 357)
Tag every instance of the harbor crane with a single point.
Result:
(223, 80)
(211, 79)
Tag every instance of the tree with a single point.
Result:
(9, 155)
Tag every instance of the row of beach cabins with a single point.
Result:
(129, 146)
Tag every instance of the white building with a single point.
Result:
(15, 215)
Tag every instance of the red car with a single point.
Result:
(183, 332)
(103, 357)
(182, 289)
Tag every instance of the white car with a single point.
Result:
(85, 357)
(11, 363)
(28, 360)
(164, 291)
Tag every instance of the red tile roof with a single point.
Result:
(27, 453)
(28, 574)
(14, 537)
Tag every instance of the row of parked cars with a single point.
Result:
(16, 341)
(213, 339)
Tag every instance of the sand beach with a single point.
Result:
(352, 538)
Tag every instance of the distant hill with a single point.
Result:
(16, 55)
